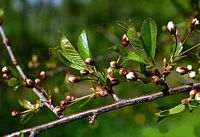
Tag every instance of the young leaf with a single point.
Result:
(134, 39)
(26, 117)
(149, 34)
(26, 104)
(83, 47)
(12, 82)
(57, 53)
(177, 109)
(70, 53)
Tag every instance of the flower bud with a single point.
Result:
(197, 96)
(156, 80)
(70, 98)
(182, 70)
(37, 82)
(16, 113)
(123, 72)
(57, 109)
(114, 65)
(131, 76)
(101, 91)
(114, 81)
(189, 67)
(6, 76)
(192, 74)
(29, 82)
(84, 72)
(109, 70)
(90, 61)
(193, 23)
(185, 101)
(193, 92)
(5, 70)
(43, 75)
(124, 40)
(74, 79)
(171, 28)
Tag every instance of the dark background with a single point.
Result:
(32, 27)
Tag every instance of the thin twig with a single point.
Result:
(107, 108)
(19, 69)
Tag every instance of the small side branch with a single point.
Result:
(19, 69)
(107, 108)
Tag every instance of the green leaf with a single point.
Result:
(26, 104)
(135, 57)
(83, 47)
(177, 109)
(134, 39)
(26, 117)
(122, 24)
(12, 82)
(1, 13)
(149, 34)
(57, 53)
(70, 53)
(21, 134)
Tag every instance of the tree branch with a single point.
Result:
(97, 111)
(22, 74)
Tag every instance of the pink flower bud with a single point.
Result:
(124, 40)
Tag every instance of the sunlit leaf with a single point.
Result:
(177, 109)
(82, 46)
(57, 53)
(26, 104)
(149, 35)
(135, 40)
(70, 53)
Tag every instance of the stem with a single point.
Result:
(184, 52)
(107, 108)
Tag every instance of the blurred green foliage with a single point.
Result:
(32, 27)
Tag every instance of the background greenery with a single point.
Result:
(32, 27)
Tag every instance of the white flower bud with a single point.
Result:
(4, 70)
(130, 76)
(74, 79)
(192, 74)
(195, 21)
(189, 67)
(171, 28)
(109, 70)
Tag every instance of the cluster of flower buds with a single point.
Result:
(172, 28)
(15, 113)
(90, 61)
(68, 100)
(125, 40)
(74, 79)
(193, 23)
(5, 73)
(194, 94)
(185, 70)
(34, 63)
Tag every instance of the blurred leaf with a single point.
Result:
(122, 24)
(177, 109)
(1, 13)
(26, 117)
(26, 104)
(70, 53)
(177, 52)
(161, 119)
(198, 27)
(134, 56)
(83, 47)
(12, 82)
(56, 52)
(149, 34)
